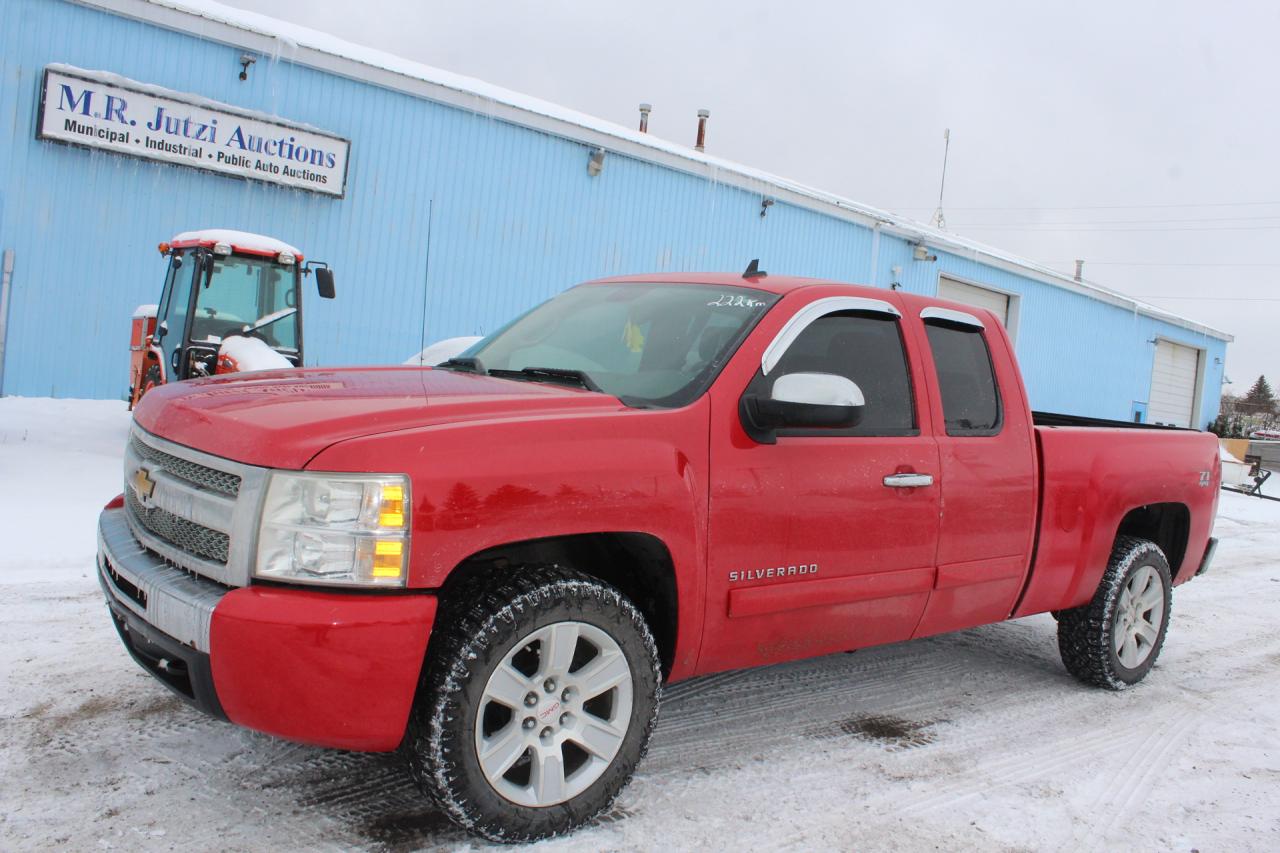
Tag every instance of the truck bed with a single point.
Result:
(1093, 473)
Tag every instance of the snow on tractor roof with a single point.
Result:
(240, 241)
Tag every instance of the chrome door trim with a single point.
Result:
(802, 319)
(951, 316)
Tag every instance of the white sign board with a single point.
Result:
(100, 110)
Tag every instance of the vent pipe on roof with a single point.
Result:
(1079, 270)
(701, 144)
(644, 117)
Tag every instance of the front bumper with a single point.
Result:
(331, 669)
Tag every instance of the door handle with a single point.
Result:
(908, 481)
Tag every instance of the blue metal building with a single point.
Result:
(465, 204)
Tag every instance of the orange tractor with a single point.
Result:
(232, 301)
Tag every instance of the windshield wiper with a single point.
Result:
(549, 374)
(468, 364)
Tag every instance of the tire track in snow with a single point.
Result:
(1139, 779)
(1016, 769)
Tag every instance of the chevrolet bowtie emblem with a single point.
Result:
(143, 485)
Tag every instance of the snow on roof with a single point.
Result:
(293, 39)
(114, 79)
(239, 240)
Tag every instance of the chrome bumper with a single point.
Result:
(171, 600)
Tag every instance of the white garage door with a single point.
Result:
(1173, 384)
(979, 297)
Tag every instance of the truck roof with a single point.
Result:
(784, 284)
(242, 242)
(769, 283)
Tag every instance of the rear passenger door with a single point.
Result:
(811, 549)
(987, 463)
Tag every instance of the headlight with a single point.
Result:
(335, 529)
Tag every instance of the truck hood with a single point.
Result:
(283, 418)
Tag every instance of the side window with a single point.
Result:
(966, 379)
(175, 305)
(866, 348)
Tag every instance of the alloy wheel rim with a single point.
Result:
(553, 714)
(1139, 615)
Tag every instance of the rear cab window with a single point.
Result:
(971, 403)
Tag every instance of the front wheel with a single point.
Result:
(1114, 640)
(539, 700)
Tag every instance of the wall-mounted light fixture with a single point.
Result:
(764, 206)
(245, 61)
(896, 271)
(595, 162)
(921, 252)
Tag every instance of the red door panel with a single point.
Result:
(809, 551)
(988, 484)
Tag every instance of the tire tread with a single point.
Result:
(1085, 632)
(488, 610)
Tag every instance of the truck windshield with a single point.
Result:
(647, 344)
(254, 292)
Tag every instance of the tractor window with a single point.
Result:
(175, 304)
(247, 292)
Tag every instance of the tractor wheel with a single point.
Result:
(150, 380)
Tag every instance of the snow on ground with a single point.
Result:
(972, 740)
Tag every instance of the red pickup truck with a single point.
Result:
(494, 564)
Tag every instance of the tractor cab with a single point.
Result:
(231, 301)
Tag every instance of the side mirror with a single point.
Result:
(324, 282)
(802, 401)
(207, 267)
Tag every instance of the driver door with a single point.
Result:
(811, 549)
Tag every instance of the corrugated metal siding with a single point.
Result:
(1078, 355)
(452, 223)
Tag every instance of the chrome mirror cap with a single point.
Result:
(817, 389)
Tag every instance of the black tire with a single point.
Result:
(1087, 634)
(486, 623)
(151, 379)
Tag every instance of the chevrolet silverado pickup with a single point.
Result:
(494, 565)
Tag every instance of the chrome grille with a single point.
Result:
(184, 469)
(201, 510)
(177, 531)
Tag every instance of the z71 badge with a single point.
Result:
(776, 572)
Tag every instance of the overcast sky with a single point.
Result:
(1139, 136)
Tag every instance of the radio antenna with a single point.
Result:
(939, 220)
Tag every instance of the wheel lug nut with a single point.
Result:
(531, 699)
(566, 718)
(529, 723)
(568, 694)
(546, 733)
(549, 685)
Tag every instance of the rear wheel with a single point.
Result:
(539, 701)
(1114, 640)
